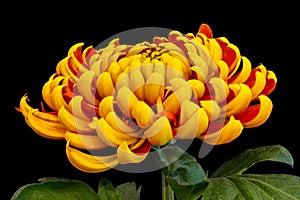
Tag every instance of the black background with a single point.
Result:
(37, 36)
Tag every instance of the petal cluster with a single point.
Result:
(113, 104)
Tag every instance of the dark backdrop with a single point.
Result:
(36, 37)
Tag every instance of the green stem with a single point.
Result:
(167, 192)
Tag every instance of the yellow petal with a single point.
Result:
(160, 132)
(175, 69)
(24, 107)
(73, 123)
(111, 136)
(90, 163)
(118, 124)
(106, 106)
(177, 83)
(220, 89)
(259, 84)
(45, 128)
(114, 69)
(201, 73)
(200, 66)
(154, 87)
(126, 100)
(137, 83)
(85, 84)
(257, 114)
(94, 58)
(146, 70)
(73, 66)
(76, 48)
(215, 49)
(46, 92)
(188, 108)
(243, 75)
(173, 102)
(135, 64)
(84, 141)
(105, 57)
(125, 155)
(232, 129)
(198, 88)
(241, 100)
(63, 68)
(105, 85)
(57, 99)
(172, 48)
(124, 62)
(143, 114)
(95, 66)
(122, 81)
(193, 121)
(76, 108)
(159, 66)
(223, 69)
(211, 108)
(234, 66)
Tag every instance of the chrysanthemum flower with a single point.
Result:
(129, 98)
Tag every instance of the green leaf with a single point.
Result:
(125, 191)
(55, 189)
(229, 182)
(253, 186)
(106, 190)
(183, 173)
(240, 163)
(129, 191)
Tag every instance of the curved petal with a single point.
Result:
(85, 84)
(90, 163)
(223, 69)
(126, 100)
(206, 30)
(24, 107)
(215, 49)
(241, 100)
(137, 84)
(106, 106)
(230, 131)
(160, 132)
(154, 87)
(256, 114)
(243, 75)
(111, 136)
(72, 67)
(173, 102)
(127, 126)
(75, 106)
(220, 89)
(53, 82)
(232, 57)
(73, 123)
(60, 97)
(256, 83)
(87, 142)
(114, 70)
(193, 121)
(105, 85)
(45, 128)
(211, 108)
(126, 155)
(271, 81)
(143, 114)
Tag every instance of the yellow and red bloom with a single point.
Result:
(129, 98)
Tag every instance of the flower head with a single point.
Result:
(129, 98)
